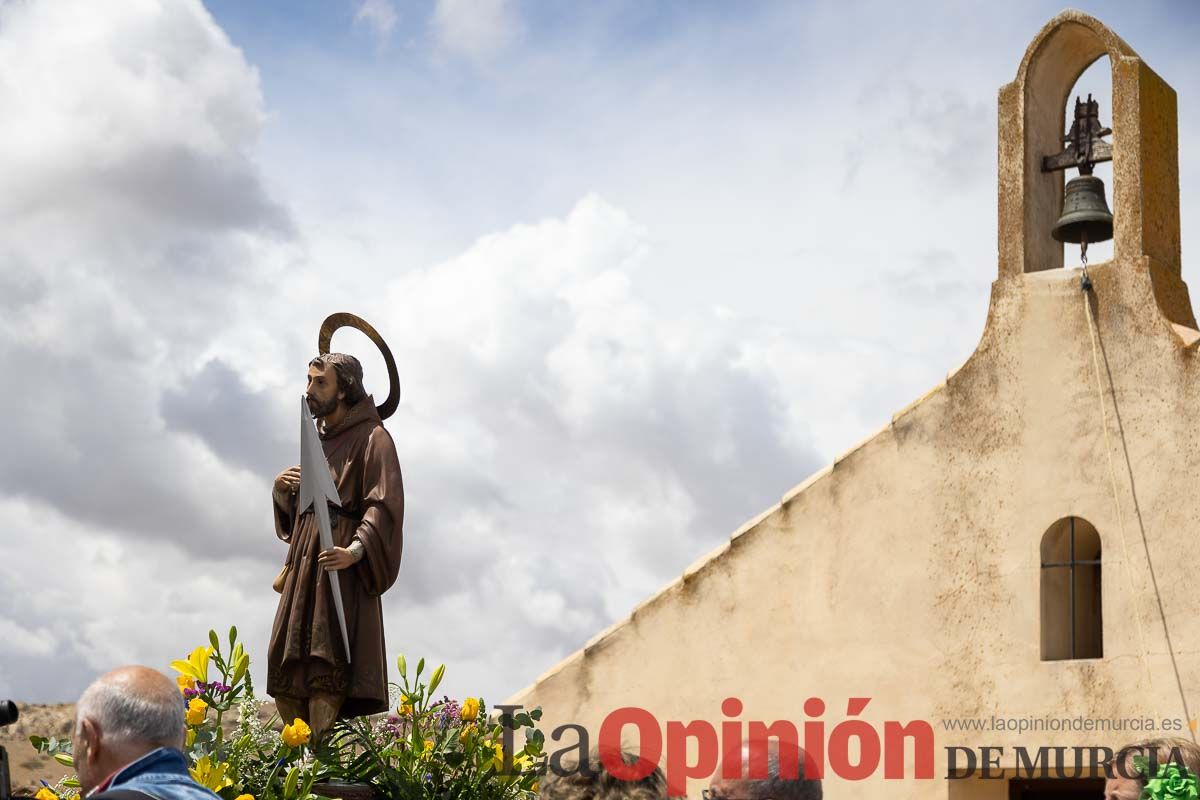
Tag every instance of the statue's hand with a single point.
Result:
(287, 481)
(336, 558)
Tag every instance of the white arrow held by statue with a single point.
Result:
(317, 490)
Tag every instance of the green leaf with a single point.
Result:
(536, 713)
(289, 786)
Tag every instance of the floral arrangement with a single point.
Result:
(1172, 781)
(429, 748)
(439, 748)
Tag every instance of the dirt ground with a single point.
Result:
(29, 767)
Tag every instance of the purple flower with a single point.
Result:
(448, 713)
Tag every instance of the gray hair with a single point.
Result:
(779, 786)
(591, 780)
(152, 716)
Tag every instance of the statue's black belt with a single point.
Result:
(335, 511)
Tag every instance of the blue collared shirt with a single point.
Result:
(161, 773)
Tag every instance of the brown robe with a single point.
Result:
(306, 652)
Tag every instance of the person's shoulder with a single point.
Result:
(378, 435)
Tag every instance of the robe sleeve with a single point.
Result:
(285, 515)
(381, 529)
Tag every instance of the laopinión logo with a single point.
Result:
(853, 749)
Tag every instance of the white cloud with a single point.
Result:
(378, 15)
(557, 429)
(476, 29)
(80, 600)
(133, 222)
(139, 113)
(20, 641)
(553, 425)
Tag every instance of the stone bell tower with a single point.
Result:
(1145, 159)
(1011, 559)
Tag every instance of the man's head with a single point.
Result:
(333, 379)
(122, 716)
(593, 782)
(1126, 784)
(784, 778)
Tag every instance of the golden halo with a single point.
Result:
(344, 319)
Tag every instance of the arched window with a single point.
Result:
(1071, 622)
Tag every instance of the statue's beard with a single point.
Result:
(318, 409)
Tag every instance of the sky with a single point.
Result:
(644, 267)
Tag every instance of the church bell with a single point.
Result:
(1086, 218)
(1085, 215)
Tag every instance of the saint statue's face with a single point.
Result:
(322, 393)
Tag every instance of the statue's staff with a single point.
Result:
(317, 490)
(316, 484)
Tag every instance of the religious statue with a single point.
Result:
(326, 658)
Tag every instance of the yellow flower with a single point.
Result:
(428, 751)
(45, 794)
(405, 710)
(185, 682)
(209, 775)
(519, 761)
(533, 787)
(191, 738)
(466, 733)
(244, 797)
(197, 711)
(297, 733)
(470, 709)
(196, 665)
